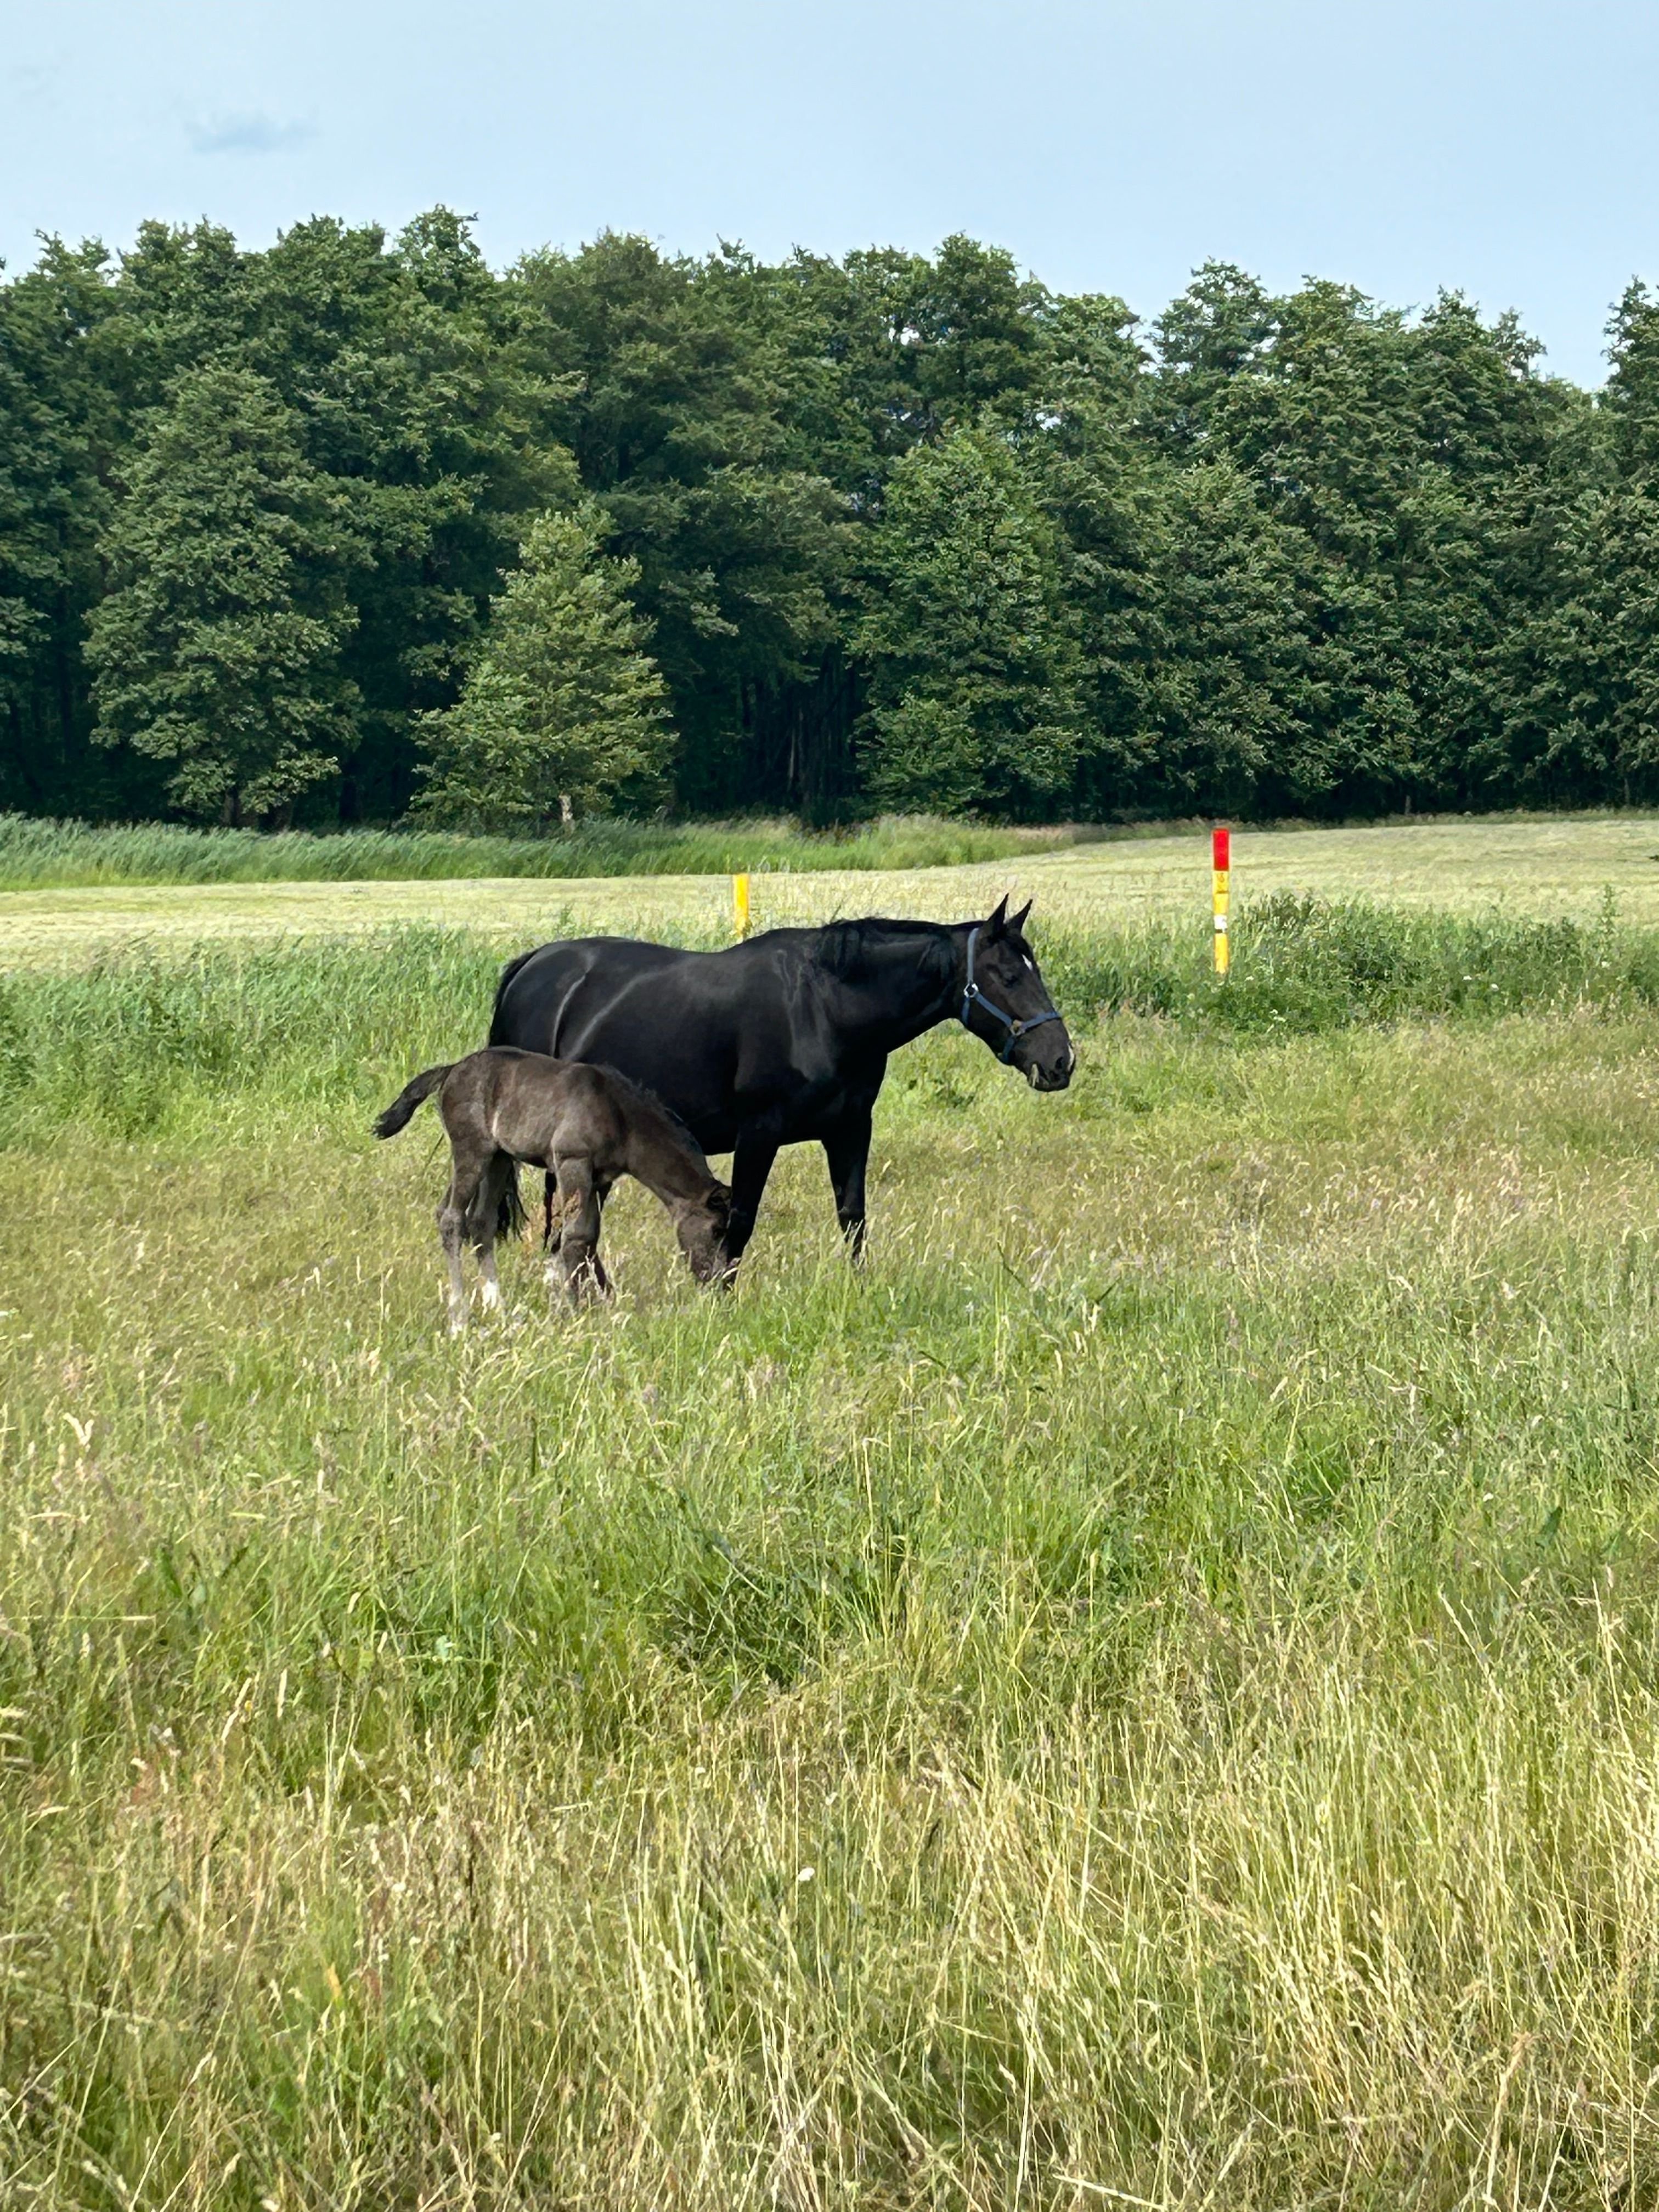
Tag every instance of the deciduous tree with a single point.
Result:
(218, 648)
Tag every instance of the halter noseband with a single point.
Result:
(973, 996)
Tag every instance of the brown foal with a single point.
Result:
(587, 1127)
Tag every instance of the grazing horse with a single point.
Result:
(784, 1039)
(586, 1126)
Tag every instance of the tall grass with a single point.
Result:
(1150, 1696)
(146, 1042)
(1303, 963)
(39, 855)
(1182, 1725)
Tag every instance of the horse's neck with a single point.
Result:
(663, 1164)
(904, 999)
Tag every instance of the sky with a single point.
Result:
(1504, 148)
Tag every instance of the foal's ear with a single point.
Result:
(998, 920)
(1017, 921)
(720, 1197)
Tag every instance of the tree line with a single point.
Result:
(356, 526)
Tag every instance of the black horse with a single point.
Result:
(784, 1040)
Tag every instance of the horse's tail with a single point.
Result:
(510, 1213)
(398, 1113)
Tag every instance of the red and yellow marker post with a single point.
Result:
(1221, 862)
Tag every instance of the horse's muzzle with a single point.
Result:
(1054, 1077)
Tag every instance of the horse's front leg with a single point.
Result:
(550, 1212)
(553, 1238)
(579, 1215)
(751, 1164)
(847, 1152)
(552, 1229)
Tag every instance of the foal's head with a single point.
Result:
(701, 1224)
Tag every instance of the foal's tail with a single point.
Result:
(509, 1214)
(397, 1114)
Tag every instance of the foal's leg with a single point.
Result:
(601, 1280)
(556, 1271)
(471, 1154)
(452, 1221)
(579, 1211)
(483, 1213)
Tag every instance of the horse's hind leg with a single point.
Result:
(552, 1230)
(452, 1222)
(483, 1214)
(470, 1156)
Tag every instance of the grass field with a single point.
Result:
(1150, 1696)
(1543, 865)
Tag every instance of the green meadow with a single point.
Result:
(1148, 1695)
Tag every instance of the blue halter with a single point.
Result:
(973, 996)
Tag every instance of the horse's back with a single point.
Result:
(533, 1108)
(643, 1008)
(565, 998)
(696, 1027)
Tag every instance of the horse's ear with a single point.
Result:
(1017, 921)
(998, 920)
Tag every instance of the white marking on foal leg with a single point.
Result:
(449, 1230)
(489, 1283)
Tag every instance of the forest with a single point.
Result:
(356, 528)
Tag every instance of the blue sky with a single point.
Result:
(1507, 150)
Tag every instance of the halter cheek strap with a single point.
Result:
(972, 996)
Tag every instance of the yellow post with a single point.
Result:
(740, 904)
(1221, 877)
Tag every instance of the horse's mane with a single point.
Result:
(844, 947)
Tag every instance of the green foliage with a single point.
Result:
(63, 425)
(217, 647)
(906, 528)
(562, 709)
(972, 646)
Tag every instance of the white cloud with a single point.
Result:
(255, 133)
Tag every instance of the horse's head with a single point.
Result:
(701, 1224)
(1006, 1002)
